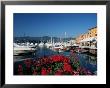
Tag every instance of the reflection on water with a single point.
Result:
(87, 61)
(44, 52)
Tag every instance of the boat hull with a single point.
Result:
(23, 52)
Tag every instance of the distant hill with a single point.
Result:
(39, 39)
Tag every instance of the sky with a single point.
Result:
(53, 24)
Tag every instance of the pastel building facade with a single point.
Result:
(88, 39)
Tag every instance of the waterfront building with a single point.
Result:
(79, 38)
(88, 39)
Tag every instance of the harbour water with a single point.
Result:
(86, 61)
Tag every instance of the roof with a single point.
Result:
(92, 28)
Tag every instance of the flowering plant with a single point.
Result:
(52, 65)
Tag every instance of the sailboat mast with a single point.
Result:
(51, 40)
(65, 39)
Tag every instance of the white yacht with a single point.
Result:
(23, 49)
(48, 44)
(58, 46)
(41, 44)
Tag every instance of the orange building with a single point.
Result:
(93, 32)
(79, 38)
(88, 39)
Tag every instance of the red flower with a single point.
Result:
(67, 67)
(58, 72)
(43, 71)
(49, 70)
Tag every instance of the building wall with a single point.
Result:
(90, 33)
(93, 32)
(79, 38)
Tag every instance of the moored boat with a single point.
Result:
(21, 49)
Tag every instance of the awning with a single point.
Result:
(89, 39)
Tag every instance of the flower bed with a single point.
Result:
(52, 65)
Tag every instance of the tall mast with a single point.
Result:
(51, 40)
(65, 38)
(60, 39)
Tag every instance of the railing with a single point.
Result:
(90, 47)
